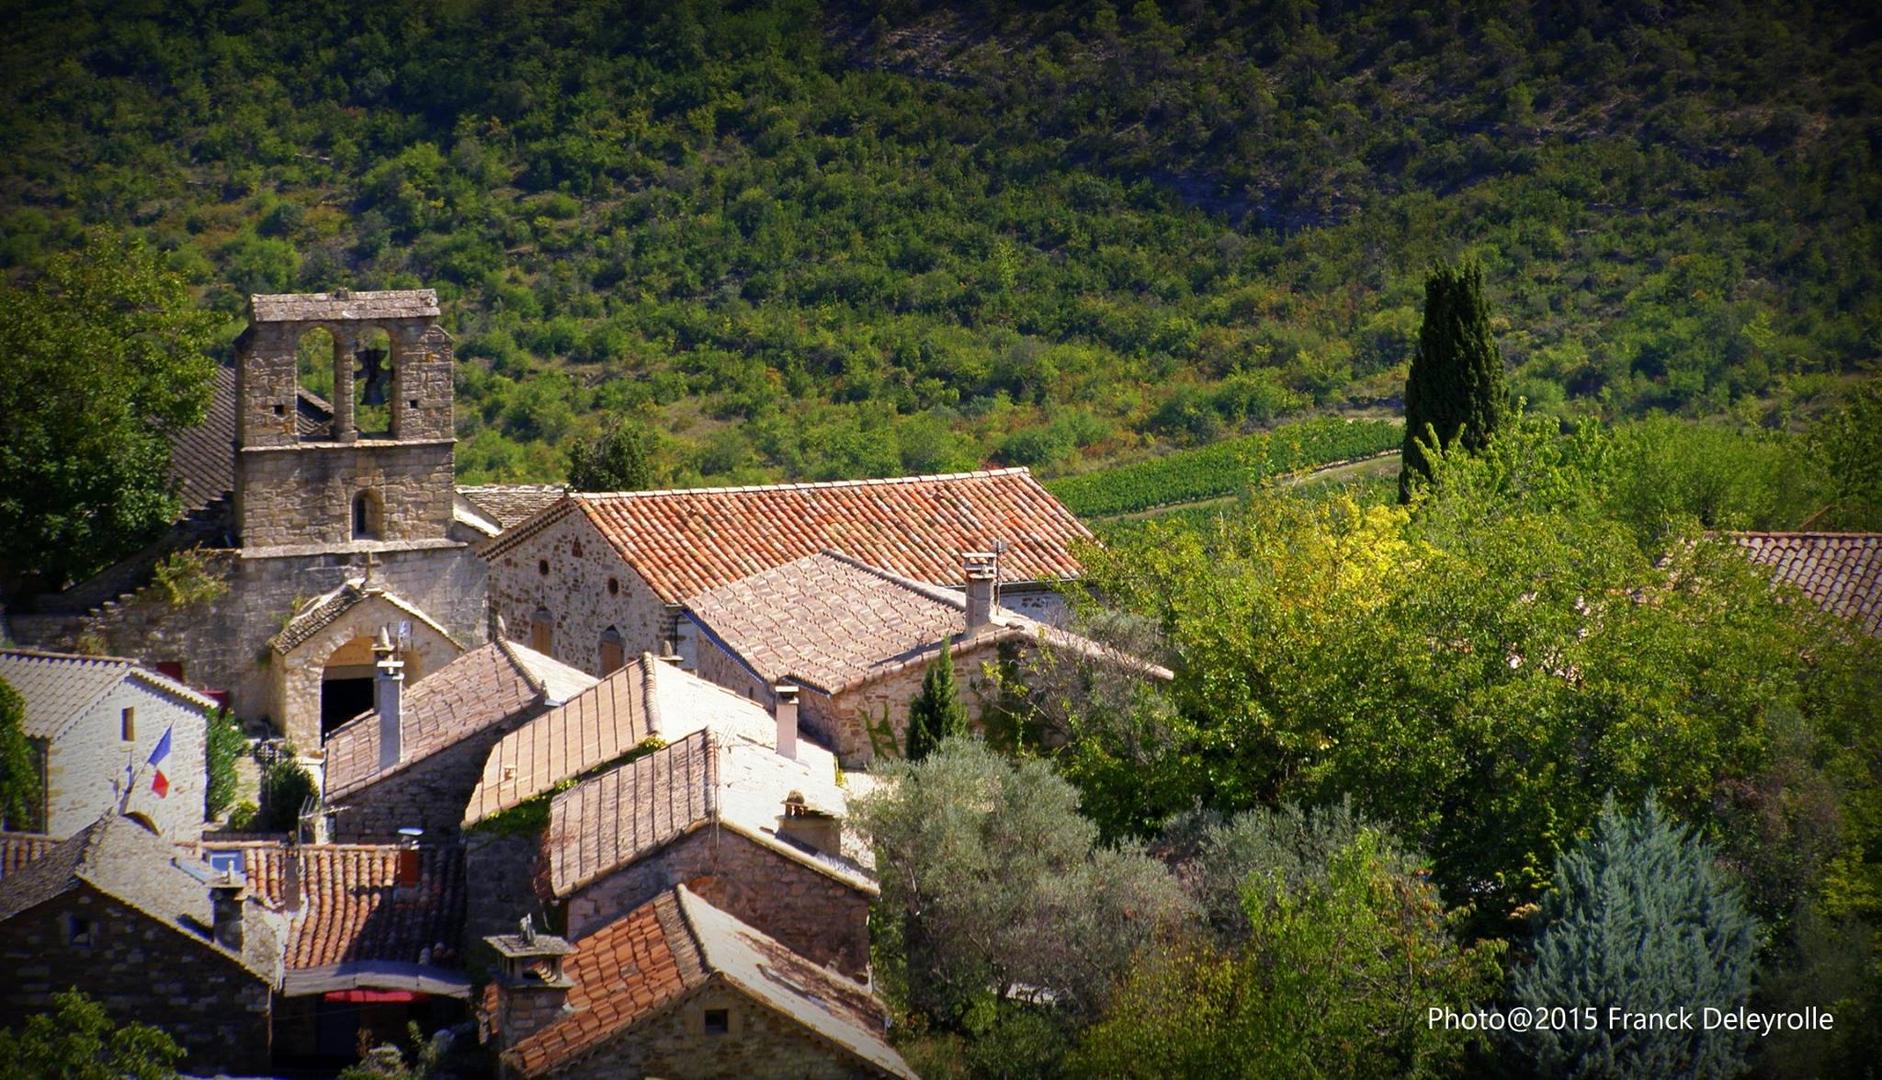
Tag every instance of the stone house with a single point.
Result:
(679, 988)
(94, 722)
(113, 912)
(595, 578)
(857, 641)
(290, 497)
(373, 938)
(415, 758)
(646, 703)
(1840, 571)
(756, 833)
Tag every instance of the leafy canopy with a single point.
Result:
(78, 1040)
(20, 787)
(105, 355)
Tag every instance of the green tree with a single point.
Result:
(936, 714)
(622, 458)
(1638, 919)
(19, 765)
(224, 745)
(285, 788)
(1455, 392)
(79, 1041)
(994, 889)
(106, 354)
(1333, 979)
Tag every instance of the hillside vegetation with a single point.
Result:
(803, 241)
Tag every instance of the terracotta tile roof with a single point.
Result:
(58, 687)
(324, 610)
(512, 504)
(18, 849)
(478, 690)
(202, 458)
(353, 910)
(638, 966)
(613, 820)
(339, 306)
(647, 697)
(685, 542)
(1842, 572)
(126, 861)
(833, 622)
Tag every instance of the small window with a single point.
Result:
(280, 410)
(412, 404)
(614, 587)
(542, 567)
(575, 549)
(613, 651)
(368, 516)
(127, 725)
(718, 1021)
(225, 862)
(80, 933)
(541, 631)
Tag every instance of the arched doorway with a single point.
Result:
(346, 682)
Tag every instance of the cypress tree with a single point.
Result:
(19, 769)
(1639, 919)
(936, 714)
(1455, 389)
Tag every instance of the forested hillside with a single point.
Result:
(819, 241)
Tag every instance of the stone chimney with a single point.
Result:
(388, 689)
(293, 889)
(786, 712)
(809, 826)
(980, 569)
(532, 991)
(411, 862)
(225, 907)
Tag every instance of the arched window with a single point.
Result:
(613, 650)
(541, 631)
(368, 516)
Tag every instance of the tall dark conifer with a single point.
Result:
(936, 714)
(1456, 390)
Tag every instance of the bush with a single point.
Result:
(224, 745)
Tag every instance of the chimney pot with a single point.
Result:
(981, 573)
(786, 712)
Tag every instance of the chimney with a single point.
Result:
(388, 688)
(532, 991)
(292, 889)
(810, 827)
(225, 907)
(409, 860)
(980, 570)
(786, 694)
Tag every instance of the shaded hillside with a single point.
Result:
(817, 242)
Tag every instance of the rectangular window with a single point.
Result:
(718, 1021)
(79, 932)
(224, 862)
(127, 720)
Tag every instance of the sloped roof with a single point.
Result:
(833, 622)
(644, 698)
(126, 861)
(341, 306)
(325, 610)
(684, 542)
(202, 458)
(478, 690)
(641, 964)
(613, 820)
(59, 687)
(512, 504)
(1842, 572)
(353, 910)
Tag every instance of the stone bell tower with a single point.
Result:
(342, 489)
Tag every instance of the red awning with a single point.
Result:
(375, 997)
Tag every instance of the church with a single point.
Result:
(316, 523)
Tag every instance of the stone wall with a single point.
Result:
(142, 970)
(757, 1042)
(223, 643)
(500, 874)
(430, 793)
(295, 701)
(302, 493)
(584, 594)
(848, 718)
(818, 917)
(85, 766)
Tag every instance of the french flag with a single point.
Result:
(160, 783)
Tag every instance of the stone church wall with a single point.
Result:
(303, 493)
(575, 590)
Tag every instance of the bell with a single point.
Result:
(373, 372)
